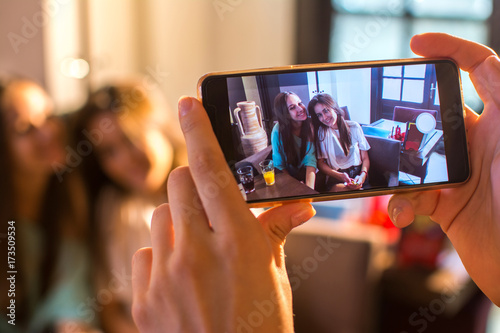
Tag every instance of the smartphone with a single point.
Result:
(406, 117)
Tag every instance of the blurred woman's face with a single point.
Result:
(139, 166)
(326, 115)
(296, 109)
(36, 141)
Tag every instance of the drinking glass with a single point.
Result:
(246, 178)
(267, 167)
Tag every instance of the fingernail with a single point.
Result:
(303, 216)
(395, 213)
(185, 105)
(495, 61)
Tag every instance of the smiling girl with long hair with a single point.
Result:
(292, 139)
(342, 148)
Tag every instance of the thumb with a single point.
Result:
(486, 79)
(402, 208)
(279, 221)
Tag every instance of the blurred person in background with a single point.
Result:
(48, 218)
(134, 147)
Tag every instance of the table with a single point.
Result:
(284, 186)
(411, 162)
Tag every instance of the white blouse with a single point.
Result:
(331, 150)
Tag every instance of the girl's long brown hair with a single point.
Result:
(133, 106)
(344, 130)
(287, 143)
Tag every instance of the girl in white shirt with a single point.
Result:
(342, 149)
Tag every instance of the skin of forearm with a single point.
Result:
(310, 176)
(366, 161)
(323, 167)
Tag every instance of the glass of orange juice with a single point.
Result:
(267, 167)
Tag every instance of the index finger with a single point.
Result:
(214, 181)
(466, 53)
(141, 272)
(479, 60)
(162, 235)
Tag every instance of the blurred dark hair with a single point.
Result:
(6, 168)
(287, 142)
(319, 127)
(102, 101)
(56, 207)
(134, 110)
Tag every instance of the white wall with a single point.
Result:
(354, 91)
(188, 38)
(166, 44)
(61, 42)
(114, 32)
(169, 44)
(351, 88)
(21, 45)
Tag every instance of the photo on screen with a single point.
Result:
(289, 129)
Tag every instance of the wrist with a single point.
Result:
(337, 174)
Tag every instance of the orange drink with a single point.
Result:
(269, 177)
(267, 168)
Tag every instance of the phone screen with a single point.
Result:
(340, 131)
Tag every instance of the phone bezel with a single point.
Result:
(213, 94)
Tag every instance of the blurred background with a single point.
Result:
(70, 46)
(372, 277)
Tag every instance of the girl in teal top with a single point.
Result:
(292, 139)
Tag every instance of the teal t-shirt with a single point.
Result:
(279, 158)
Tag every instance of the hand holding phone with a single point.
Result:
(469, 214)
(207, 240)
